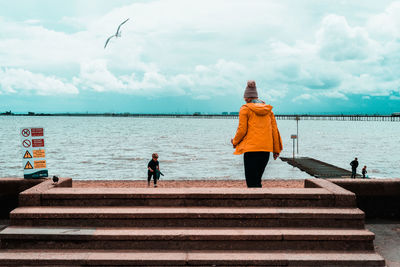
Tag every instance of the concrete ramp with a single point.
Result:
(317, 168)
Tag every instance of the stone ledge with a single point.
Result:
(194, 258)
(343, 197)
(184, 193)
(378, 198)
(9, 190)
(32, 196)
(183, 212)
(309, 234)
(370, 187)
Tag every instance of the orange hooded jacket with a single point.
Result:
(257, 130)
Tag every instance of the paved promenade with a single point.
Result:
(387, 239)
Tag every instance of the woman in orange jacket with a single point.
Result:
(257, 135)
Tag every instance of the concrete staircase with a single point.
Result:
(314, 226)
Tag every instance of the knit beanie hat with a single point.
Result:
(251, 89)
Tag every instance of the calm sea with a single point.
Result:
(191, 148)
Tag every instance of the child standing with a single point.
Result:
(364, 171)
(153, 167)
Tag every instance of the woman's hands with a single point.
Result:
(276, 155)
(232, 143)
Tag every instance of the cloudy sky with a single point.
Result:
(307, 56)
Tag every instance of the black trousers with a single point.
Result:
(353, 173)
(254, 166)
(149, 175)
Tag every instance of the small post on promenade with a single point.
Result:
(297, 127)
(293, 137)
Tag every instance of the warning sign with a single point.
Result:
(40, 164)
(28, 166)
(39, 153)
(26, 143)
(37, 131)
(27, 155)
(26, 132)
(33, 152)
(37, 142)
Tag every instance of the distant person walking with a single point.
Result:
(354, 165)
(364, 171)
(257, 135)
(152, 169)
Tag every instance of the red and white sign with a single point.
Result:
(37, 131)
(26, 143)
(26, 132)
(37, 142)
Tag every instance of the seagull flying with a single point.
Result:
(117, 34)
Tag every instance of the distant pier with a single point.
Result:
(231, 115)
(340, 117)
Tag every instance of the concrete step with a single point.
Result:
(188, 217)
(186, 238)
(185, 258)
(211, 197)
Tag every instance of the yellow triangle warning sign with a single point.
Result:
(28, 165)
(27, 155)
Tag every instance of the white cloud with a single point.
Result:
(386, 25)
(305, 97)
(32, 21)
(23, 81)
(94, 75)
(211, 49)
(333, 94)
(204, 80)
(338, 41)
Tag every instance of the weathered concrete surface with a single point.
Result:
(387, 239)
(210, 197)
(188, 238)
(317, 168)
(32, 196)
(343, 197)
(188, 217)
(192, 258)
(9, 190)
(378, 198)
(272, 183)
(229, 232)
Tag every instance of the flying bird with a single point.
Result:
(117, 34)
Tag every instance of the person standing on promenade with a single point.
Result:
(257, 135)
(153, 167)
(354, 165)
(364, 171)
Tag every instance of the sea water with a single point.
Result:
(119, 148)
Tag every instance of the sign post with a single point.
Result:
(297, 127)
(33, 153)
(293, 137)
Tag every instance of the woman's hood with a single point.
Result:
(260, 109)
